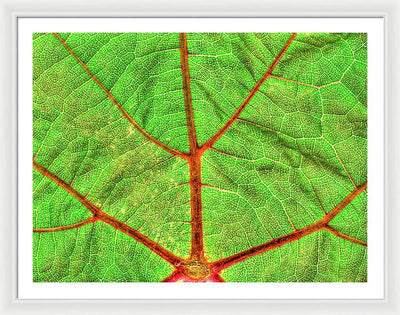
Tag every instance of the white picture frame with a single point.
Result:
(12, 10)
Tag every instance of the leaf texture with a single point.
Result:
(238, 157)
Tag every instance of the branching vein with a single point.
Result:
(296, 235)
(249, 97)
(116, 103)
(104, 217)
(197, 268)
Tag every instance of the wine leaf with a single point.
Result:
(237, 157)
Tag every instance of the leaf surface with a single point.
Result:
(200, 157)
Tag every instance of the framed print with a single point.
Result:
(201, 158)
(120, 202)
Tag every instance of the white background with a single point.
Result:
(373, 289)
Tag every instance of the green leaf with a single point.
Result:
(199, 157)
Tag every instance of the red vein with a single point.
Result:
(45, 172)
(175, 276)
(296, 235)
(100, 215)
(217, 278)
(346, 201)
(249, 97)
(197, 247)
(344, 236)
(66, 227)
(187, 95)
(116, 103)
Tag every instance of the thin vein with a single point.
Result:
(116, 103)
(345, 237)
(66, 227)
(344, 167)
(295, 82)
(40, 36)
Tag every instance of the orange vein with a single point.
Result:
(296, 235)
(116, 103)
(344, 236)
(187, 95)
(102, 216)
(346, 201)
(175, 276)
(217, 278)
(78, 196)
(197, 247)
(249, 97)
(66, 227)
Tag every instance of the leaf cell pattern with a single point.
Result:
(237, 157)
